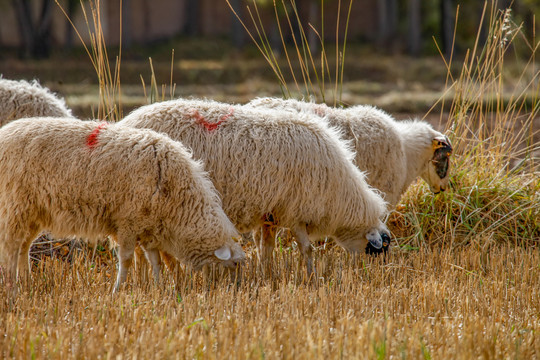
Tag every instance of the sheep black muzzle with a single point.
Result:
(371, 250)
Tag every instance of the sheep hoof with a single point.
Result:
(223, 253)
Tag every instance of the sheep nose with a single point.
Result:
(385, 239)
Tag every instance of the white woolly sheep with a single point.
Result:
(392, 153)
(286, 164)
(21, 99)
(136, 185)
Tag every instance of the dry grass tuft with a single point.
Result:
(306, 71)
(495, 173)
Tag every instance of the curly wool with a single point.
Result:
(264, 161)
(133, 184)
(22, 99)
(393, 154)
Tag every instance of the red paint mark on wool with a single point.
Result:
(208, 125)
(231, 113)
(92, 139)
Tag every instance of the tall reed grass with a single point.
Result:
(495, 171)
(309, 70)
(110, 92)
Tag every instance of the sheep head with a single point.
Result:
(372, 250)
(230, 255)
(359, 240)
(437, 172)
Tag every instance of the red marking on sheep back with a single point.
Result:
(208, 125)
(92, 139)
(225, 117)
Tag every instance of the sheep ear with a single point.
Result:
(442, 141)
(223, 253)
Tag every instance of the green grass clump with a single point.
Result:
(479, 207)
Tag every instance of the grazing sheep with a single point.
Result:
(21, 99)
(392, 153)
(267, 162)
(135, 185)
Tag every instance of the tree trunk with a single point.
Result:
(392, 23)
(447, 26)
(36, 38)
(388, 20)
(415, 28)
(313, 17)
(24, 21)
(237, 30)
(147, 26)
(383, 24)
(42, 37)
(71, 11)
(530, 20)
(192, 17)
(127, 36)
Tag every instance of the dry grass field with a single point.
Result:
(431, 303)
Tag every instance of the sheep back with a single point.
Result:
(378, 145)
(264, 161)
(22, 99)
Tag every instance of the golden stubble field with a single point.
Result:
(462, 280)
(430, 303)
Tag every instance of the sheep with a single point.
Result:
(21, 99)
(393, 154)
(135, 185)
(263, 162)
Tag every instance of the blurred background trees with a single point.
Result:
(36, 27)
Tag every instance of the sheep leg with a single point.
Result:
(125, 260)
(152, 255)
(139, 256)
(265, 242)
(24, 259)
(8, 259)
(10, 271)
(302, 238)
(268, 240)
(168, 260)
